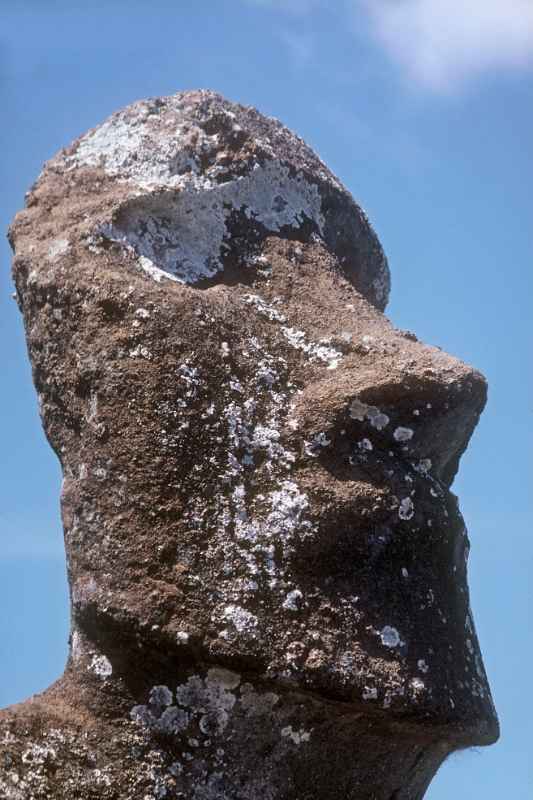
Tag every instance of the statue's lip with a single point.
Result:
(370, 451)
(467, 731)
(478, 725)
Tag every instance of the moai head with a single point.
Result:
(256, 463)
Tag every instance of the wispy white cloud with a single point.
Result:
(442, 43)
(438, 44)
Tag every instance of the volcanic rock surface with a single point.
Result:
(267, 567)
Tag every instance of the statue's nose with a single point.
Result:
(410, 398)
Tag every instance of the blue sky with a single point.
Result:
(424, 109)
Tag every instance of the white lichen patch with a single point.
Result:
(358, 409)
(361, 411)
(298, 737)
(224, 349)
(58, 248)
(251, 524)
(148, 266)
(39, 754)
(242, 620)
(140, 351)
(390, 637)
(317, 351)
(101, 666)
(265, 309)
(293, 601)
(261, 263)
(288, 505)
(313, 447)
(377, 418)
(402, 434)
(406, 509)
(417, 687)
(161, 696)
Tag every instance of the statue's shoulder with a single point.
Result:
(54, 751)
(32, 737)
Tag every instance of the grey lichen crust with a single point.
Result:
(194, 163)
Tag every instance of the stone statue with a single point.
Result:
(267, 567)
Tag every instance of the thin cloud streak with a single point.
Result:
(442, 43)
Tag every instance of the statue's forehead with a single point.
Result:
(200, 173)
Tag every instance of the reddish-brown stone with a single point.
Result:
(267, 567)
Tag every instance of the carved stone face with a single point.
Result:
(257, 464)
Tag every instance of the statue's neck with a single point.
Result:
(219, 734)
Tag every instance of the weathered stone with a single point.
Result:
(267, 567)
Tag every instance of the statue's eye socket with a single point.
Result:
(169, 236)
(200, 225)
(196, 231)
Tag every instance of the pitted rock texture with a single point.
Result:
(267, 566)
